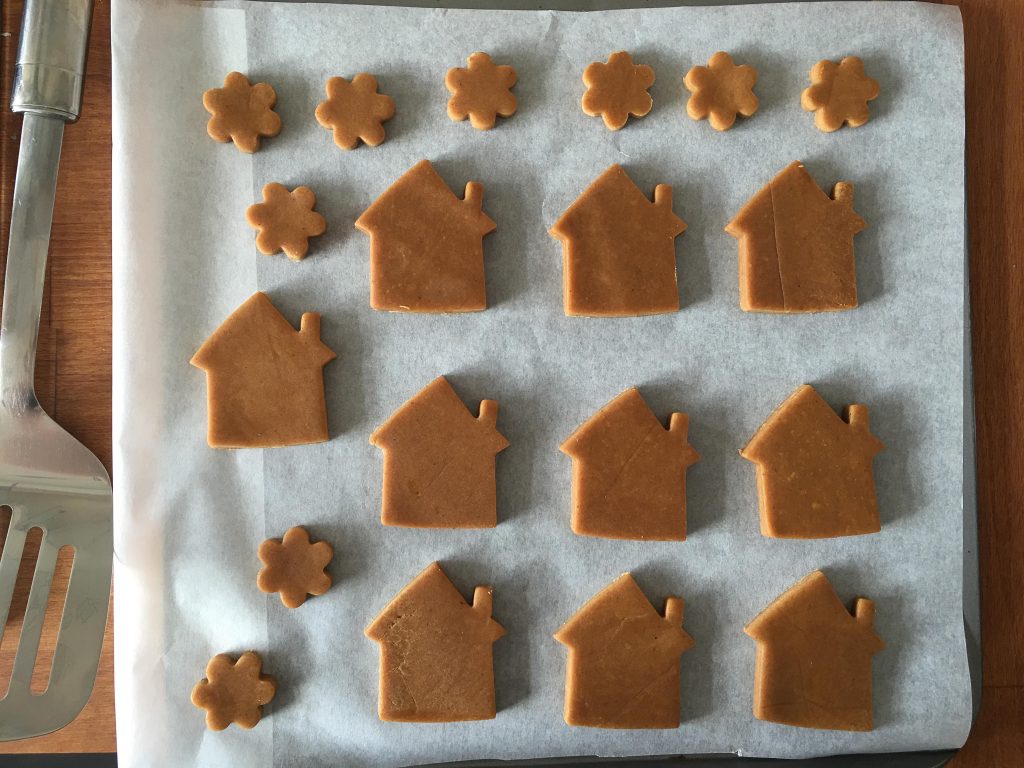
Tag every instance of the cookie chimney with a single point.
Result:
(674, 611)
(864, 613)
(663, 197)
(679, 424)
(474, 195)
(488, 413)
(483, 598)
(857, 417)
(309, 325)
(843, 193)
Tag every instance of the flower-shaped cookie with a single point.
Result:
(233, 691)
(355, 111)
(294, 567)
(839, 93)
(617, 89)
(242, 112)
(720, 91)
(285, 220)
(481, 91)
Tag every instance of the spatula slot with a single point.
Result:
(51, 620)
(19, 601)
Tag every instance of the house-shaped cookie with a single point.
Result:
(814, 658)
(796, 246)
(439, 461)
(618, 249)
(435, 652)
(629, 472)
(623, 666)
(264, 379)
(814, 476)
(426, 245)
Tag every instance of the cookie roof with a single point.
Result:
(258, 317)
(787, 429)
(421, 194)
(438, 410)
(795, 182)
(623, 601)
(433, 588)
(628, 420)
(812, 606)
(614, 189)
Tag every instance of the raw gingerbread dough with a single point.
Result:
(264, 379)
(294, 567)
(720, 91)
(814, 658)
(629, 472)
(354, 111)
(435, 652)
(814, 475)
(426, 245)
(796, 246)
(623, 667)
(241, 112)
(439, 461)
(285, 220)
(617, 89)
(233, 691)
(839, 93)
(618, 249)
(481, 91)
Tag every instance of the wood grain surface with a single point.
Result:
(75, 339)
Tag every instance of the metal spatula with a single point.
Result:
(48, 479)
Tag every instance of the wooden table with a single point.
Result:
(75, 341)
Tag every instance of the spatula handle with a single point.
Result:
(48, 89)
(51, 57)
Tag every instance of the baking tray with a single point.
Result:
(971, 590)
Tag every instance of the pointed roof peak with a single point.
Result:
(423, 169)
(614, 174)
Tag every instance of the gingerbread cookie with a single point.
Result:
(796, 246)
(436, 661)
(354, 111)
(623, 667)
(242, 112)
(721, 90)
(233, 691)
(839, 93)
(481, 91)
(629, 472)
(285, 220)
(294, 567)
(439, 461)
(264, 379)
(426, 245)
(814, 658)
(618, 249)
(617, 89)
(814, 475)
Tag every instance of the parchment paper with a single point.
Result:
(189, 518)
